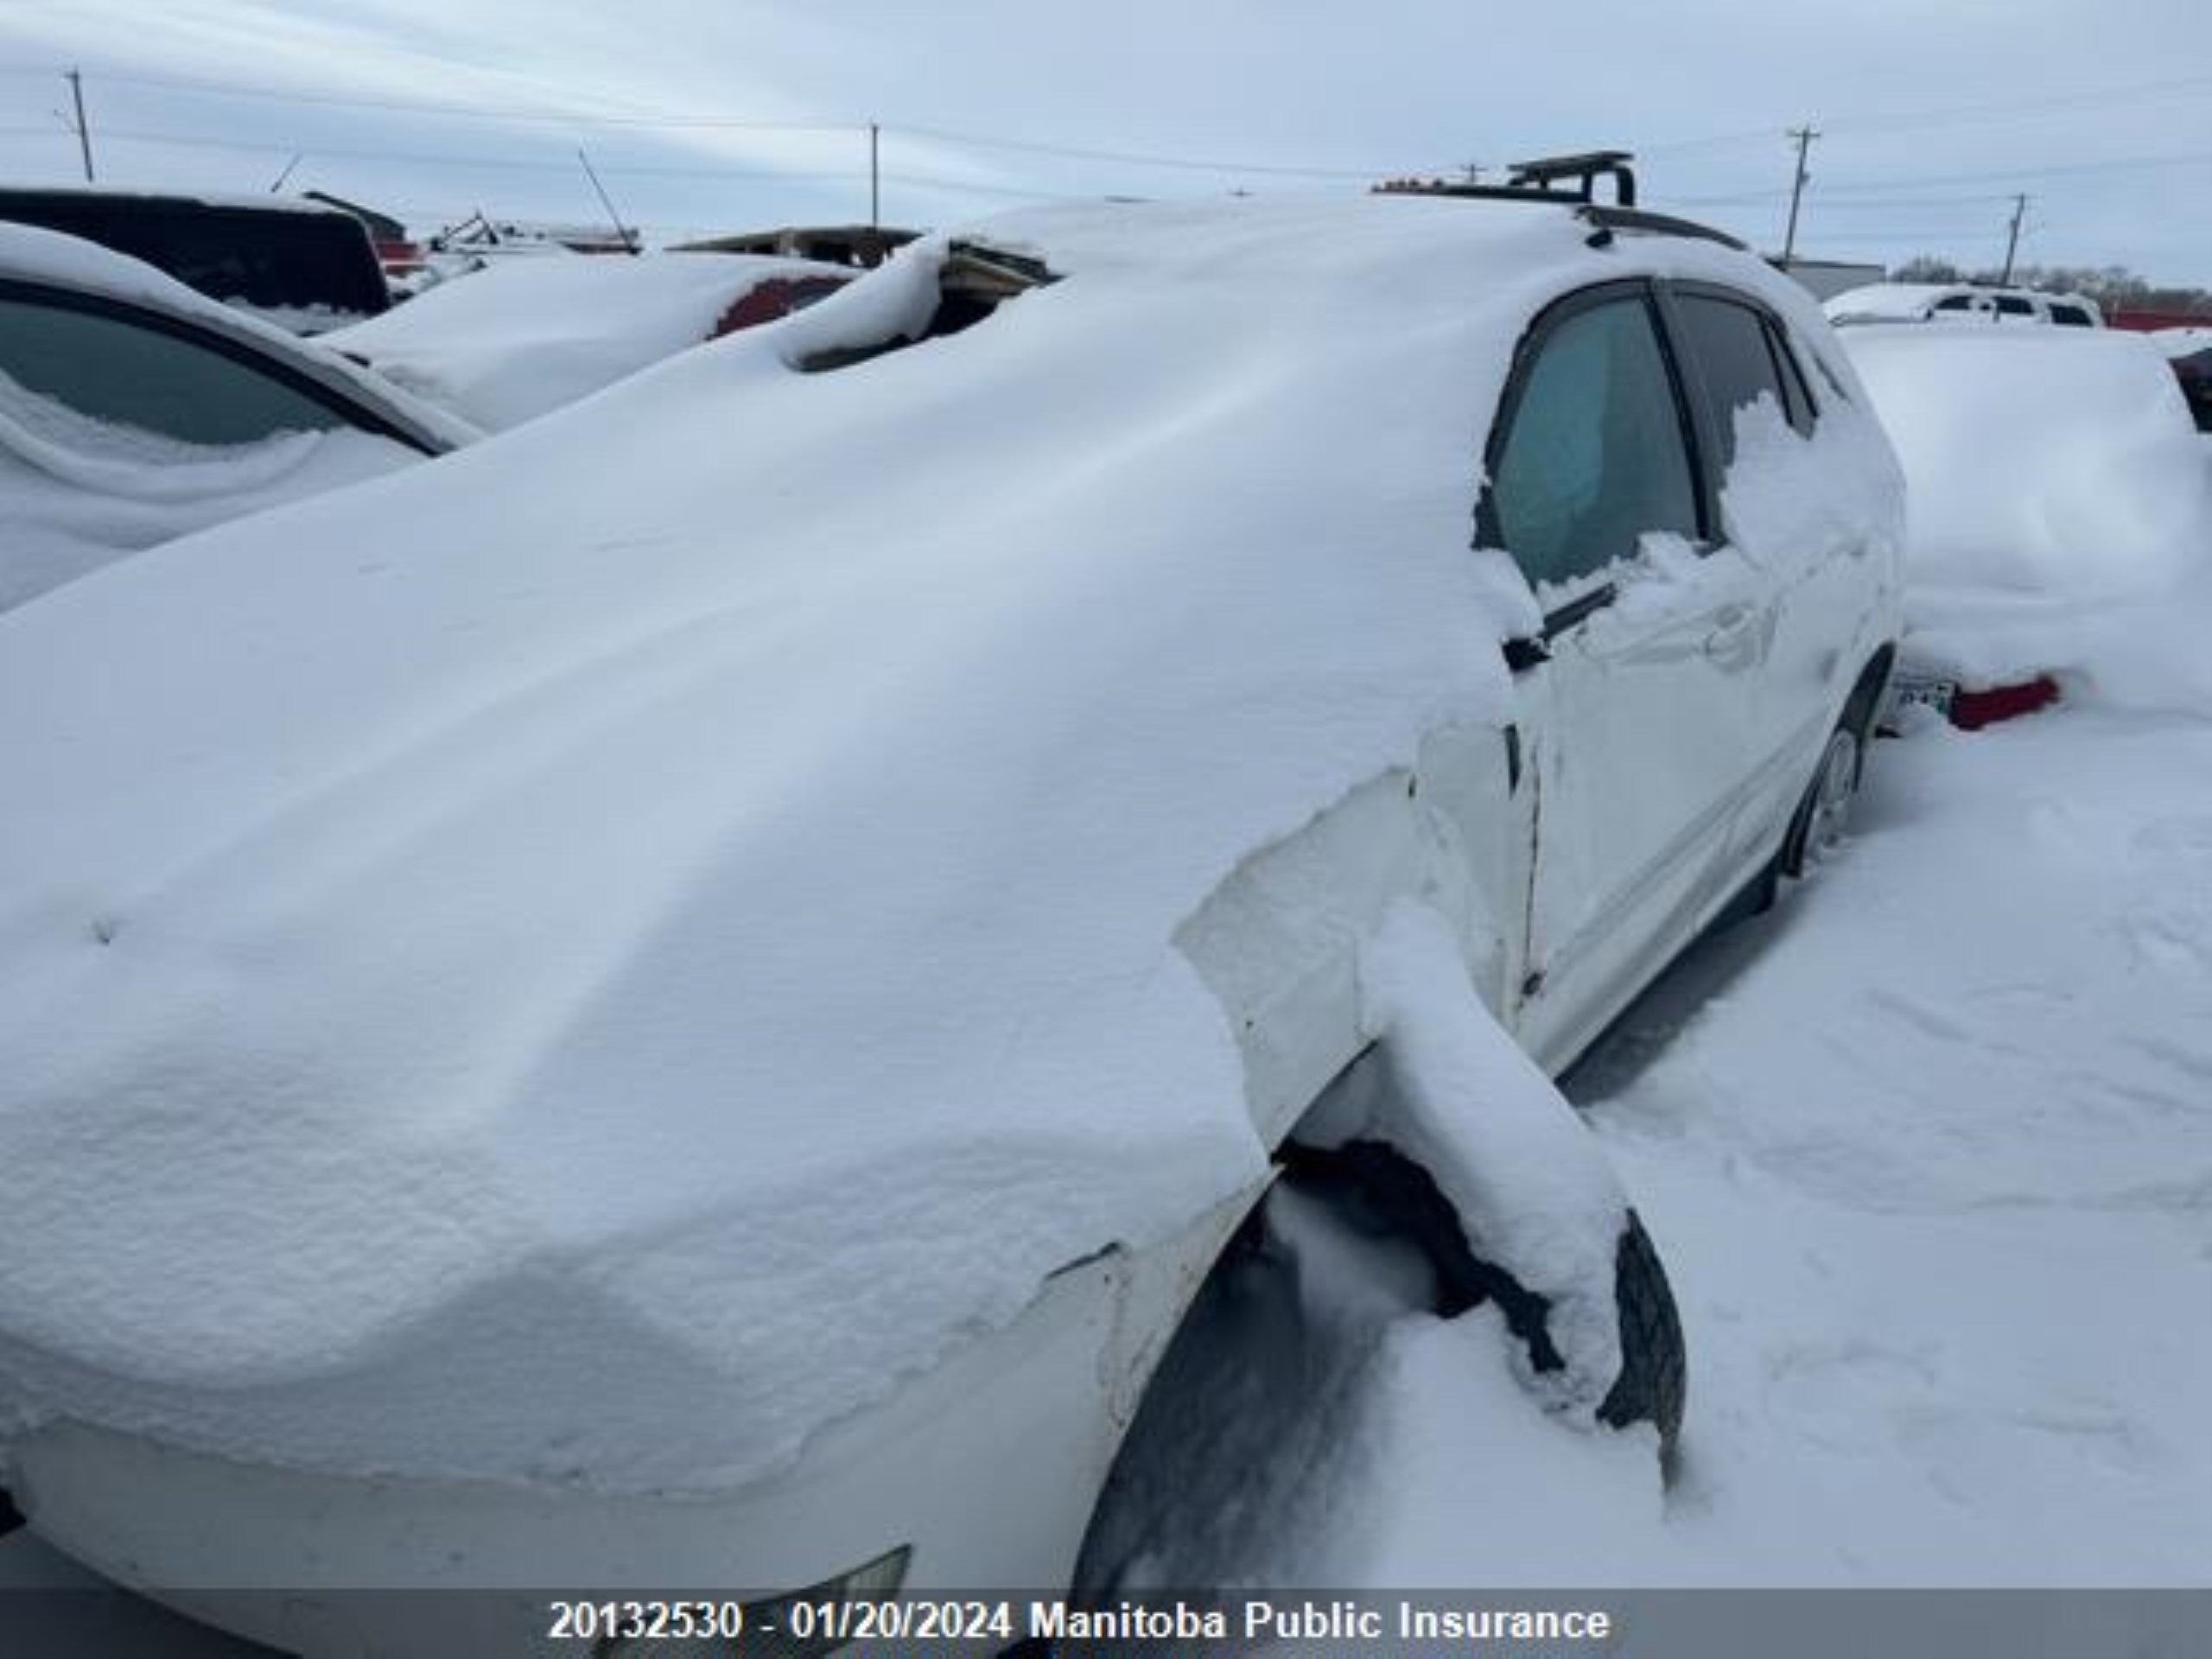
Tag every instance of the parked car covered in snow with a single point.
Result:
(1959, 303)
(133, 410)
(701, 1022)
(2055, 481)
(509, 342)
(303, 265)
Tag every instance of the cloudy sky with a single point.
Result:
(733, 114)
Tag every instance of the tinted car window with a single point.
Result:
(274, 257)
(2070, 316)
(2014, 307)
(1956, 303)
(1594, 455)
(1735, 363)
(133, 375)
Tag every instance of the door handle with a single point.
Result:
(1734, 639)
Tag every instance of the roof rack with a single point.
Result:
(1540, 181)
(1541, 178)
(1584, 170)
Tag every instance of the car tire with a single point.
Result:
(1818, 824)
(1376, 1182)
(1654, 1382)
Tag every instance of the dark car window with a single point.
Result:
(1956, 303)
(1735, 366)
(1594, 455)
(2194, 373)
(2070, 316)
(270, 256)
(133, 375)
(2013, 307)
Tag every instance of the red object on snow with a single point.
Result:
(1972, 710)
(779, 296)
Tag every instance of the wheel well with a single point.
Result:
(1860, 709)
(1386, 1191)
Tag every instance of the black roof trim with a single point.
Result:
(1649, 224)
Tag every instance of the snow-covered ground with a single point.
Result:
(1929, 1151)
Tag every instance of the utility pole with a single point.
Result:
(84, 134)
(874, 178)
(1804, 135)
(2013, 237)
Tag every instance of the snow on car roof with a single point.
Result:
(509, 342)
(591, 959)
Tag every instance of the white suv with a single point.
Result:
(1961, 302)
(688, 1001)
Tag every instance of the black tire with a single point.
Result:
(1654, 1383)
(1374, 1180)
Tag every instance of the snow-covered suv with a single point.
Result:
(1961, 302)
(689, 1002)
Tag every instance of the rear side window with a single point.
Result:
(2012, 306)
(273, 257)
(1593, 455)
(129, 374)
(2070, 316)
(1737, 361)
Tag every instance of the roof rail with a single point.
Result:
(1538, 180)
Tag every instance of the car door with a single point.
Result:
(1635, 699)
(1748, 387)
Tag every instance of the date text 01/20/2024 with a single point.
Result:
(972, 1621)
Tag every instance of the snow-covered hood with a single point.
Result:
(591, 959)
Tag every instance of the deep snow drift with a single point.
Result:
(509, 342)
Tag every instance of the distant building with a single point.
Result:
(2144, 320)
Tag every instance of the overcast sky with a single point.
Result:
(733, 114)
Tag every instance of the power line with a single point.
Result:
(1903, 121)
(464, 111)
(1138, 159)
(495, 163)
(2130, 165)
